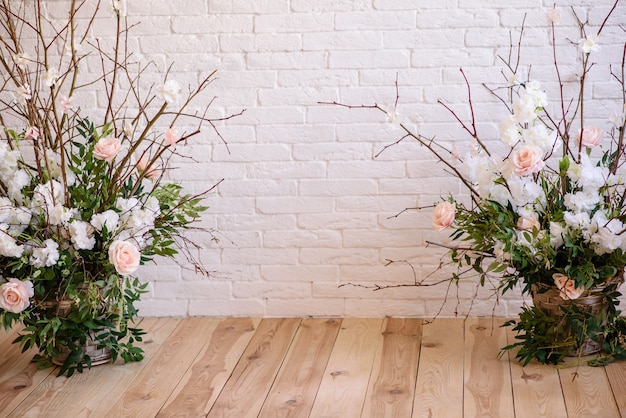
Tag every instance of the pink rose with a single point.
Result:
(527, 159)
(554, 16)
(107, 148)
(171, 137)
(124, 256)
(15, 294)
(32, 133)
(591, 136)
(443, 215)
(153, 173)
(65, 103)
(567, 287)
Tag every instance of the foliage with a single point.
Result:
(83, 197)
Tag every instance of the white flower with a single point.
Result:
(581, 201)
(394, 118)
(588, 175)
(509, 131)
(21, 60)
(500, 253)
(524, 191)
(170, 91)
(107, 218)
(540, 136)
(50, 77)
(8, 245)
(59, 215)
(24, 93)
(129, 130)
(45, 256)
(119, 6)
(617, 118)
(589, 44)
(533, 89)
(607, 237)
(81, 234)
(524, 109)
(557, 234)
(577, 221)
(46, 196)
(126, 205)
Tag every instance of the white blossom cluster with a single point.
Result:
(530, 146)
(46, 211)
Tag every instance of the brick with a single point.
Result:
(294, 22)
(276, 273)
(380, 20)
(361, 40)
(363, 59)
(247, 7)
(281, 239)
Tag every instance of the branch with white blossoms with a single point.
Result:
(548, 204)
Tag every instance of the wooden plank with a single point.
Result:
(616, 372)
(344, 385)
(151, 387)
(392, 385)
(245, 391)
(488, 391)
(19, 376)
(536, 387)
(294, 390)
(88, 393)
(439, 388)
(203, 382)
(587, 392)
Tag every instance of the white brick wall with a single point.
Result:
(304, 206)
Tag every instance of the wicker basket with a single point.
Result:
(547, 299)
(97, 355)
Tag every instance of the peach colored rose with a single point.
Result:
(15, 294)
(124, 256)
(171, 137)
(153, 173)
(591, 136)
(566, 286)
(554, 16)
(527, 159)
(107, 148)
(528, 223)
(443, 215)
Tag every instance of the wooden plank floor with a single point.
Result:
(314, 367)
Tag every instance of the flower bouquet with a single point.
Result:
(83, 201)
(545, 209)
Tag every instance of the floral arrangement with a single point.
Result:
(546, 206)
(83, 200)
